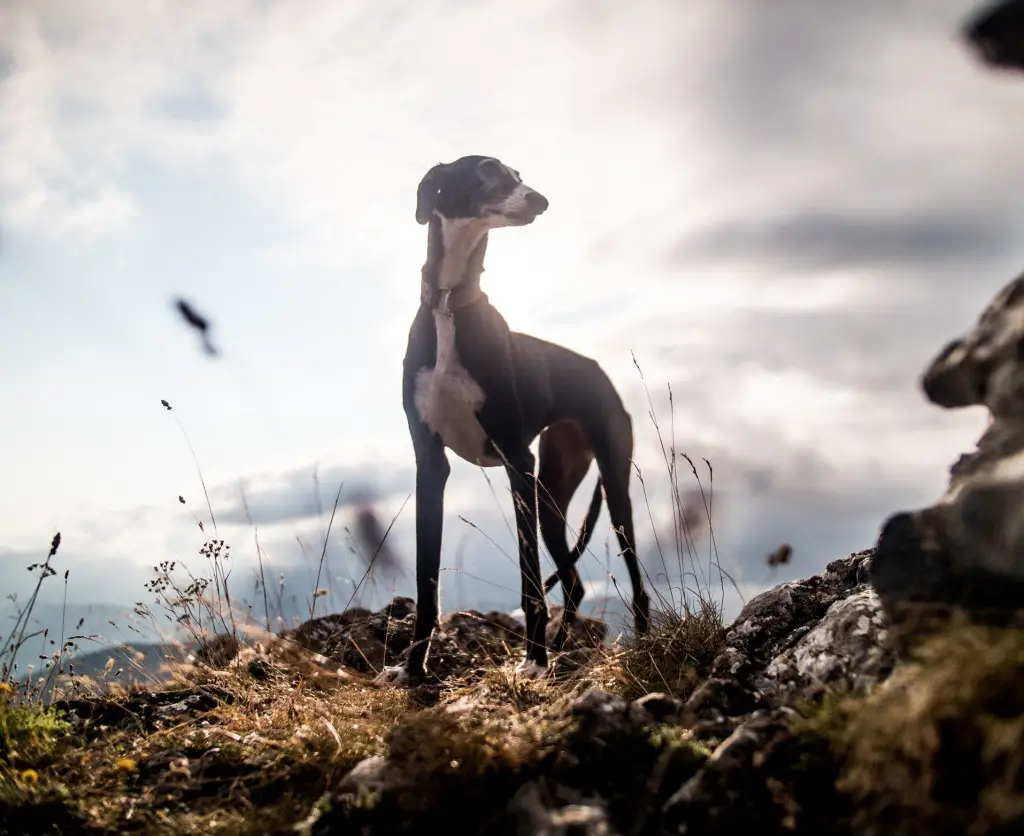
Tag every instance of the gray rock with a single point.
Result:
(369, 775)
(846, 648)
(982, 367)
(752, 781)
(776, 619)
(967, 551)
(997, 34)
(465, 641)
(826, 629)
(530, 813)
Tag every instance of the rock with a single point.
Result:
(369, 775)
(997, 33)
(367, 641)
(715, 709)
(570, 662)
(823, 630)
(359, 639)
(982, 367)
(764, 778)
(145, 710)
(847, 648)
(492, 636)
(586, 632)
(967, 551)
(612, 769)
(662, 708)
(218, 651)
(775, 620)
(619, 752)
(530, 813)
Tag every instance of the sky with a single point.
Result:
(779, 211)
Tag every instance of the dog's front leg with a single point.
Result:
(432, 469)
(523, 481)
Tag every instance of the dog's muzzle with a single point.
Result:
(536, 204)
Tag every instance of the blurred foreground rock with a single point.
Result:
(996, 32)
(966, 553)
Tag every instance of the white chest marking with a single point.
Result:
(447, 399)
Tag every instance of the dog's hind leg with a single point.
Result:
(523, 482)
(564, 458)
(614, 457)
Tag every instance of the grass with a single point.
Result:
(940, 748)
(687, 630)
(275, 730)
(271, 744)
(673, 657)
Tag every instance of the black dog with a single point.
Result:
(485, 392)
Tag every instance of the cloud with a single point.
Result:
(934, 246)
(310, 492)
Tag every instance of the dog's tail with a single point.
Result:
(585, 533)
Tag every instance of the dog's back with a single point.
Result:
(571, 381)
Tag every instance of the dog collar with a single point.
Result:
(448, 301)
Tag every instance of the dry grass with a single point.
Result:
(940, 747)
(260, 756)
(674, 657)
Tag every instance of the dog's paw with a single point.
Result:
(529, 669)
(392, 676)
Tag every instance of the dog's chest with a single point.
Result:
(448, 399)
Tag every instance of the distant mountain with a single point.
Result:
(138, 664)
(102, 623)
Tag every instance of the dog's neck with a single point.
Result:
(455, 256)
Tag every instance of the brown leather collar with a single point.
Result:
(449, 301)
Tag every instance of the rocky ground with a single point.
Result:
(803, 716)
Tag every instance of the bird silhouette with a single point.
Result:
(197, 321)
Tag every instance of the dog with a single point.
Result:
(473, 386)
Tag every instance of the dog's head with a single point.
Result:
(481, 188)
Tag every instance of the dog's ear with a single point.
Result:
(426, 194)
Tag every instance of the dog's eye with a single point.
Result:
(490, 169)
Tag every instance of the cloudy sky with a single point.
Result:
(781, 210)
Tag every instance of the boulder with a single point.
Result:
(997, 34)
(966, 552)
(790, 641)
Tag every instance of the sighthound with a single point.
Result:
(475, 387)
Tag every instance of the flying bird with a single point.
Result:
(372, 536)
(197, 321)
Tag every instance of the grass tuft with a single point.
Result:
(673, 657)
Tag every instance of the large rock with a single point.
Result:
(765, 778)
(790, 641)
(997, 33)
(967, 551)
(362, 640)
